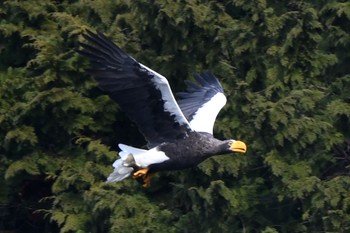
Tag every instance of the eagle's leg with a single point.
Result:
(146, 177)
(147, 180)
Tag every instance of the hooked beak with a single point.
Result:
(238, 146)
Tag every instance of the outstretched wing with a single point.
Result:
(143, 94)
(202, 101)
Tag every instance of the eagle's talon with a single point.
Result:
(140, 173)
(144, 175)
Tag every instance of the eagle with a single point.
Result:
(179, 133)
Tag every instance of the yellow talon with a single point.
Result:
(146, 177)
(140, 173)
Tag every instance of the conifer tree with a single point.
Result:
(284, 68)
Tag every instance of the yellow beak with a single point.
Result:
(238, 146)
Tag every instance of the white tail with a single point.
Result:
(120, 172)
(123, 167)
(130, 158)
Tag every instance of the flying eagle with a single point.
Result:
(179, 134)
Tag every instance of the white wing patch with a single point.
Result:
(170, 104)
(204, 119)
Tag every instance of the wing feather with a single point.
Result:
(202, 101)
(143, 94)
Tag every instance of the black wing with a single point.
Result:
(202, 101)
(143, 94)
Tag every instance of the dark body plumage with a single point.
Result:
(179, 135)
(198, 146)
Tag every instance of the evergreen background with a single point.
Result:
(284, 66)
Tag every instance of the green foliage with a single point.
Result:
(284, 67)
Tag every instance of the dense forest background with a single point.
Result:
(285, 67)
